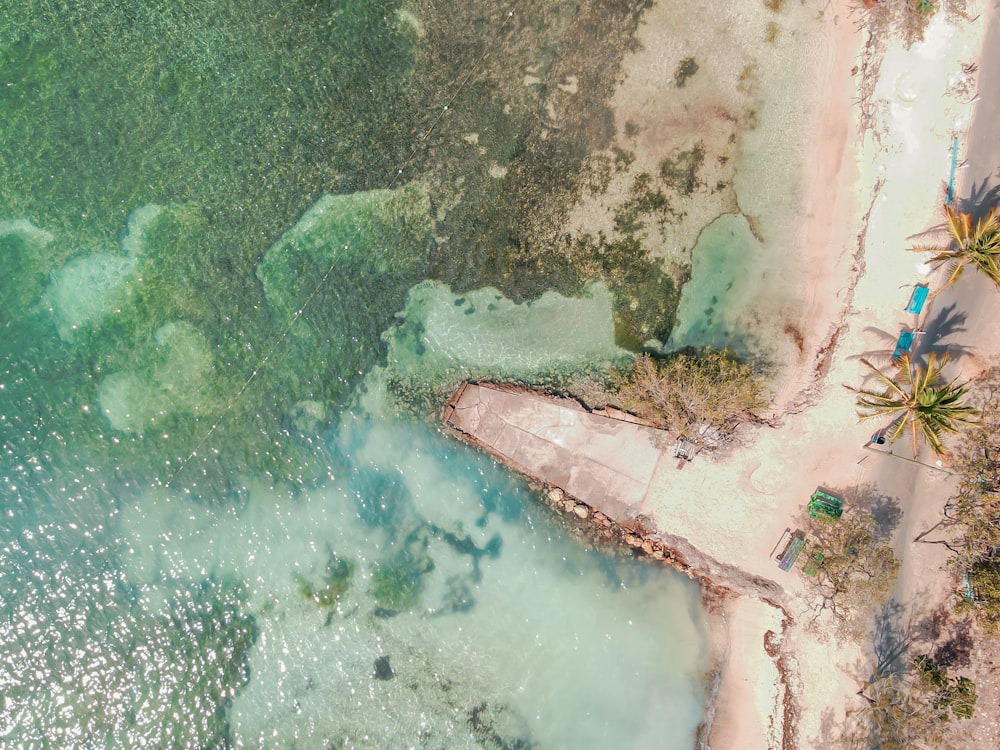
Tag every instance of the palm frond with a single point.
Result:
(958, 224)
(898, 428)
(932, 436)
(919, 401)
(977, 244)
(886, 379)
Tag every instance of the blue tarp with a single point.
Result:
(903, 344)
(917, 299)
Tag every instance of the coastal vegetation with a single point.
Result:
(976, 503)
(918, 401)
(911, 708)
(972, 242)
(975, 507)
(984, 580)
(907, 19)
(857, 572)
(705, 395)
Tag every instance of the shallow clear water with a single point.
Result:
(240, 239)
(232, 257)
(132, 621)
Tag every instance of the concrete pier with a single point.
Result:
(602, 461)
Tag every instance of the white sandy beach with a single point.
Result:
(734, 511)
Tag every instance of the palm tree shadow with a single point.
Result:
(945, 323)
(931, 237)
(881, 357)
(981, 198)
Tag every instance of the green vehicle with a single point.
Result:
(825, 505)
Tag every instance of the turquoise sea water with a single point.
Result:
(244, 247)
(247, 246)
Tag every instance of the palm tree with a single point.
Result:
(978, 245)
(918, 399)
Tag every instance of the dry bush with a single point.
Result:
(907, 19)
(704, 395)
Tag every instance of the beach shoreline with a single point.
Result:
(779, 680)
(756, 705)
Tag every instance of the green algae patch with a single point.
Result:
(680, 171)
(685, 69)
(362, 249)
(398, 584)
(332, 586)
(24, 251)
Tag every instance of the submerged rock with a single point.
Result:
(380, 229)
(498, 726)
(308, 416)
(347, 250)
(483, 331)
(88, 289)
(383, 671)
(142, 219)
(174, 378)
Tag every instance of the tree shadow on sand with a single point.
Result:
(892, 635)
(981, 198)
(829, 729)
(948, 639)
(946, 322)
(885, 509)
(900, 629)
